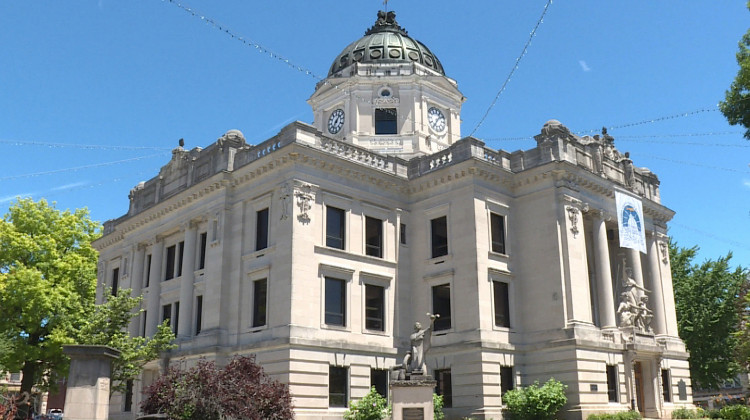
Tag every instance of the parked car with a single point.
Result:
(55, 414)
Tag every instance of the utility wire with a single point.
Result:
(77, 168)
(79, 146)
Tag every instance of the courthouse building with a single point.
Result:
(316, 250)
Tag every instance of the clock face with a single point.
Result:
(336, 121)
(436, 119)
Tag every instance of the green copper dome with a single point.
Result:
(388, 43)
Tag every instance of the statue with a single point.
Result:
(414, 360)
(628, 170)
(633, 309)
(644, 316)
(624, 311)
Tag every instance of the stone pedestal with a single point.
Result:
(412, 398)
(87, 396)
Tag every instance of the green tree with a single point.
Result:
(736, 104)
(706, 298)
(372, 406)
(742, 335)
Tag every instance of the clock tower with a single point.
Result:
(388, 93)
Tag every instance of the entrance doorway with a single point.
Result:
(639, 396)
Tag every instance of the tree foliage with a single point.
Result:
(372, 406)
(706, 298)
(240, 390)
(536, 402)
(742, 335)
(736, 104)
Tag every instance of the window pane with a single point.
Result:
(202, 262)
(128, 396)
(260, 298)
(335, 227)
(444, 387)
(170, 262)
(374, 305)
(198, 314)
(337, 386)
(335, 313)
(502, 304)
(497, 223)
(612, 383)
(180, 256)
(441, 305)
(166, 313)
(176, 322)
(374, 237)
(506, 379)
(379, 380)
(666, 385)
(439, 230)
(261, 232)
(402, 234)
(115, 281)
(148, 270)
(385, 121)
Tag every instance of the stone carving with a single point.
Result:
(305, 197)
(633, 308)
(573, 216)
(628, 169)
(285, 197)
(414, 360)
(555, 129)
(664, 252)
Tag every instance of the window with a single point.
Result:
(335, 305)
(176, 317)
(143, 325)
(666, 385)
(166, 314)
(373, 237)
(443, 386)
(441, 305)
(439, 235)
(402, 233)
(198, 314)
(612, 383)
(15, 377)
(261, 230)
(385, 121)
(502, 304)
(202, 257)
(374, 307)
(115, 281)
(180, 257)
(260, 299)
(171, 253)
(148, 269)
(506, 379)
(337, 386)
(497, 230)
(379, 381)
(128, 396)
(335, 228)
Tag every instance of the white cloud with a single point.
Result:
(14, 196)
(584, 66)
(70, 186)
(746, 183)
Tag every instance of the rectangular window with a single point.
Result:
(15, 377)
(374, 307)
(373, 237)
(379, 381)
(444, 387)
(507, 381)
(198, 314)
(260, 299)
(497, 228)
(261, 230)
(171, 254)
(128, 396)
(176, 317)
(115, 281)
(166, 314)
(148, 269)
(338, 395)
(439, 236)
(180, 257)
(335, 228)
(502, 304)
(441, 305)
(612, 383)
(666, 385)
(202, 257)
(402, 233)
(335, 302)
(143, 325)
(386, 121)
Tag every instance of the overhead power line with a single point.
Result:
(79, 146)
(77, 168)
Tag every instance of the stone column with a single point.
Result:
(136, 283)
(153, 317)
(186, 284)
(87, 394)
(657, 294)
(635, 263)
(603, 273)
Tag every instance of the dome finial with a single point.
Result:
(386, 22)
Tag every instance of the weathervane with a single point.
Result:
(385, 4)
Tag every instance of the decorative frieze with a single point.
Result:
(305, 194)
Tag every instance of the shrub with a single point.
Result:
(371, 407)
(713, 413)
(735, 412)
(536, 402)
(622, 415)
(437, 403)
(686, 413)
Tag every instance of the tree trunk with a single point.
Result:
(27, 384)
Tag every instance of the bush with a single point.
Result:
(686, 413)
(735, 412)
(437, 404)
(622, 415)
(713, 413)
(536, 402)
(371, 407)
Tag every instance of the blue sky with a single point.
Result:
(95, 94)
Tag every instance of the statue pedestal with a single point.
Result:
(412, 398)
(87, 396)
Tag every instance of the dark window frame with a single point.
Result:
(501, 303)
(335, 227)
(386, 121)
(180, 258)
(444, 386)
(338, 386)
(198, 314)
(666, 385)
(497, 233)
(613, 383)
(507, 380)
(439, 236)
(335, 302)
(374, 307)
(202, 252)
(374, 237)
(260, 303)
(441, 304)
(170, 260)
(262, 229)
(166, 313)
(148, 270)
(115, 281)
(379, 380)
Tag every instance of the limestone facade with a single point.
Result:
(317, 249)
